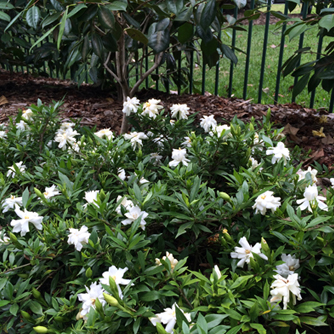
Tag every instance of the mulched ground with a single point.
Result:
(99, 108)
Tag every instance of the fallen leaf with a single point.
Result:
(273, 46)
(289, 129)
(319, 133)
(323, 119)
(328, 140)
(3, 100)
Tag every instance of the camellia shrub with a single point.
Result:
(174, 227)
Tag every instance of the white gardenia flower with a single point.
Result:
(168, 317)
(105, 133)
(117, 275)
(332, 182)
(133, 214)
(311, 199)
(22, 225)
(130, 105)
(279, 152)
(172, 122)
(143, 181)
(289, 267)
(128, 204)
(78, 238)
(282, 288)
(10, 202)
(302, 174)
(172, 260)
(4, 239)
(66, 137)
(136, 139)
(88, 299)
(219, 130)
(151, 108)
(27, 114)
(91, 197)
(266, 201)
(254, 163)
(22, 125)
(179, 155)
(179, 111)
(244, 253)
(156, 157)
(11, 170)
(187, 142)
(66, 125)
(218, 272)
(3, 135)
(51, 191)
(121, 174)
(208, 122)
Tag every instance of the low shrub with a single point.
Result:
(174, 227)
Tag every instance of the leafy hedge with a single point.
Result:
(176, 226)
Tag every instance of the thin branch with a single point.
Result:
(109, 70)
(158, 58)
(12, 269)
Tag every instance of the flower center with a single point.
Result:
(291, 268)
(263, 196)
(147, 105)
(247, 251)
(45, 193)
(12, 197)
(93, 300)
(135, 216)
(26, 217)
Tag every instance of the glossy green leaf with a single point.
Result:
(174, 6)
(327, 22)
(50, 19)
(159, 41)
(33, 15)
(208, 14)
(117, 6)
(57, 6)
(312, 321)
(185, 32)
(43, 37)
(106, 18)
(228, 52)
(300, 85)
(6, 5)
(4, 17)
(62, 28)
(137, 35)
(76, 9)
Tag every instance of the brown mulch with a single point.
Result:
(99, 108)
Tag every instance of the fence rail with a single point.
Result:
(45, 69)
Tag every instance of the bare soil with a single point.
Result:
(95, 107)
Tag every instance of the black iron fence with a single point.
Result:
(54, 72)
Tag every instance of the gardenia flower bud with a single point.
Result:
(266, 201)
(41, 330)
(112, 301)
(279, 152)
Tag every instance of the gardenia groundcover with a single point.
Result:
(173, 227)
